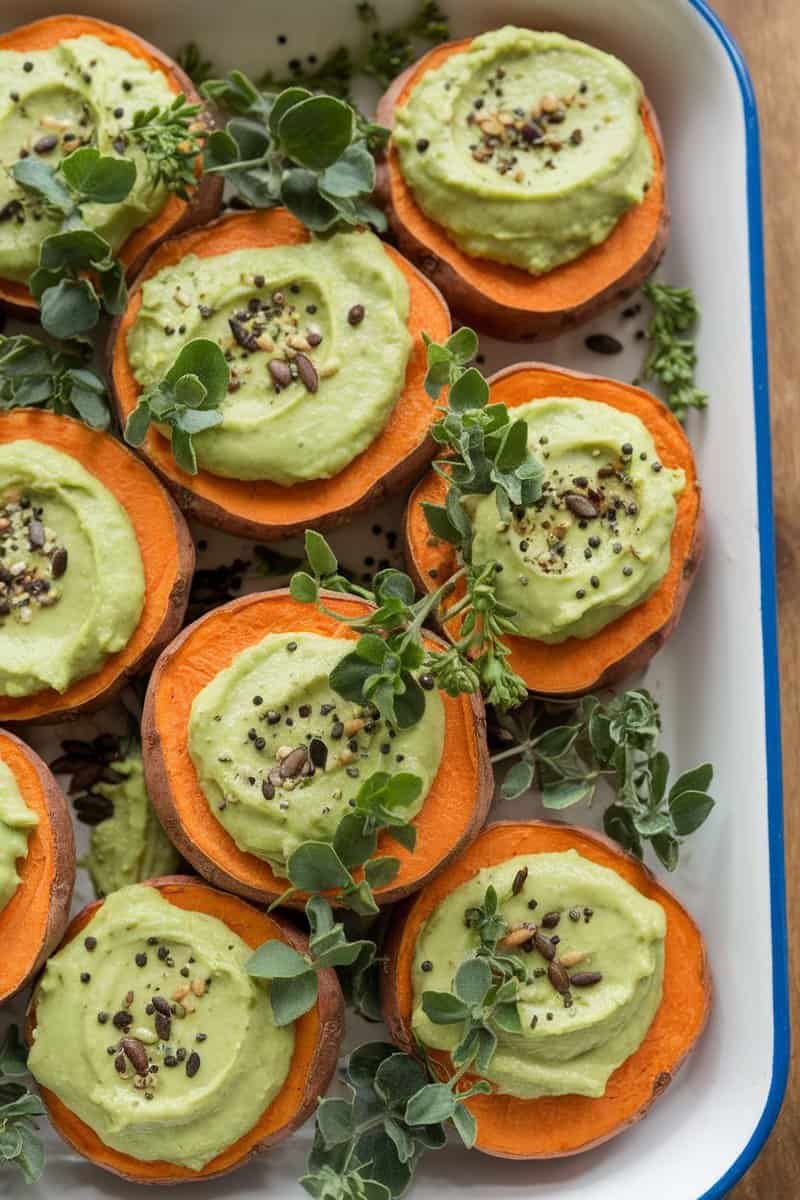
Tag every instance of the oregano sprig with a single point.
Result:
(35, 375)
(308, 151)
(616, 742)
(78, 276)
(672, 356)
(20, 1144)
(186, 401)
(368, 1145)
(293, 976)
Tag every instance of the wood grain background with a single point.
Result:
(768, 32)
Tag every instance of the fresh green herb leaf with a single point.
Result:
(311, 152)
(672, 357)
(186, 401)
(615, 742)
(35, 375)
(20, 1145)
(171, 138)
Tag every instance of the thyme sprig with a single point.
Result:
(672, 357)
(20, 1144)
(192, 60)
(171, 137)
(36, 375)
(616, 742)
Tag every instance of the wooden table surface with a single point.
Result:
(768, 32)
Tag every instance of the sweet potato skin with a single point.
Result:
(468, 302)
(204, 202)
(318, 1072)
(523, 836)
(639, 654)
(162, 788)
(52, 840)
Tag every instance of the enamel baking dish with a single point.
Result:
(717, 680)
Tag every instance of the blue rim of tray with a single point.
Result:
(780, 993)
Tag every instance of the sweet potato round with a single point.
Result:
(318, 1035)
(167, 553)
(556, 1126)
(578, 665)
(503, 300)
(261, 509)
(33, 922)
(176, 214)
(454, 810)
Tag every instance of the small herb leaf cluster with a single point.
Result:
(78, 276)
(20, 1145)
(307, 151)
(479, 1001)
(673, 356)
(171, 138)
(35, 375)
(617, 742)
(293, 976)
(367, 1147)
(187, 400)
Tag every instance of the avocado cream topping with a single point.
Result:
(317, 342)
(527, 147)
(593, 950)
(130, 845)
(280, 756)
(149, 1028)
(16, 823)
(597, 542)
(79, 92)
(71, 574)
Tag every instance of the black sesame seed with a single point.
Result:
(580, 594)
(291, 647)
(422, 145)
(85, 977)
(102, 1018)
(594, 581)
(427, 965)
(141, 960)
(356, 314)
(163, 953)
(90, 943)
(627, 570)
(27, 66)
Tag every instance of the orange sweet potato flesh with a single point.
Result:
(555, 1126)
(505, 300)
(454, 809)
(577, 665)
(164, 542)
(263, 509)
(317, 1038)
(175, 213)
(34, 920)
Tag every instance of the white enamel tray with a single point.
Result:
(717, 680)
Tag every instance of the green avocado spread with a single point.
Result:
(130, 846)
(16, 823)
(317, 339)
(149, 1028)
(79, 92)
(612, 936)
(71, 574)
(279, 755)
(527, 147)
(597, 542)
